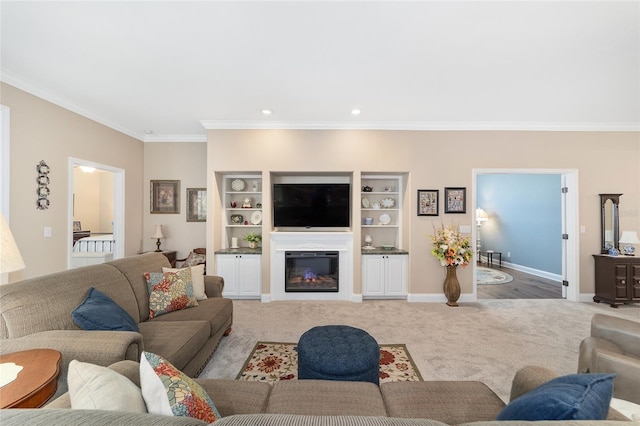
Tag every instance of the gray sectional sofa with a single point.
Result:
(36, 313)
(319, 402)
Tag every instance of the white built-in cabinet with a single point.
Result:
(381, 202)
(384, 275)
(242, 275)
(242, 205)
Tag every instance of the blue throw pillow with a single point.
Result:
(99, 312)
(572, 397)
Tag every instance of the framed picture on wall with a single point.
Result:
(196, 204)
(455, 200)
(165, 196)
(428, 202)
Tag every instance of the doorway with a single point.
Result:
(97, 194)
(567, 238)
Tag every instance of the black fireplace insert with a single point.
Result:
(311, 271)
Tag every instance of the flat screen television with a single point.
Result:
(311, 205)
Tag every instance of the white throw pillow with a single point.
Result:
(197, 278)
(93, 387)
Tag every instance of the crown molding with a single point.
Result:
(433, 126)
(174, 138)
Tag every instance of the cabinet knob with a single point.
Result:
(623, 282)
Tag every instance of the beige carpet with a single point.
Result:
(487, 341)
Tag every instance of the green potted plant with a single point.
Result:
(253, 239)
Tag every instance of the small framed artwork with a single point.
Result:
(196, 204)
(455, 200)
(428, 202)
(76, 226)
(165, 196)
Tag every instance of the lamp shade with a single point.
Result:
(481, 215)
(158, 233)
(10, 257)
(629, 237)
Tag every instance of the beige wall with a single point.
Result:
(606, 162)
(41, 130)
(186, 162)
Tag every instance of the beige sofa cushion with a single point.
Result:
(451, 402)
(215, 310)
(177, 341)
(326, 397)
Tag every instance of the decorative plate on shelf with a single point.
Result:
(365, 203)
(385, 219)
(388, 203)
(237, 185)
(256, 218)
(237, 219)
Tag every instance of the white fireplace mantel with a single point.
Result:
(341, 242)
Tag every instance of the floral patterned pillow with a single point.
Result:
(194, 259)
(168, 391)
(170, 291)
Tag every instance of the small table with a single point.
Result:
(36, 383)
(489, 254)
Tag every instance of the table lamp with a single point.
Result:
(481, 216)
(629, 238)
(10, 257)
(157, 235)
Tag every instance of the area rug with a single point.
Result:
(272, 361)
(488, 276)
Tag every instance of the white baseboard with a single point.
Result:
(526, 269)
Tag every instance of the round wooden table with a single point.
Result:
(36, 383)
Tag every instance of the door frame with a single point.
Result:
(570, 220)
(118, 205)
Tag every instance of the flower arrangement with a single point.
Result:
(450, 247)
(252, 237)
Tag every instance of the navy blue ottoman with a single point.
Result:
(338, 352)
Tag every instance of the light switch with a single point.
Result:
(47, 231)
(465, 229)
(583, 229)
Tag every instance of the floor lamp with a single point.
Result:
(10, 257)
(481, 216)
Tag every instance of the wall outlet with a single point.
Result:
(47, 231)
(508, 254)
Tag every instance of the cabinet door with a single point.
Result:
(373, 275)
(621, 278)
(226, 268)
(634, 285)
(396, 275)
(249, 275)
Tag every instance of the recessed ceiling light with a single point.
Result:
(148, 132)
(266, 111)
(355, 111)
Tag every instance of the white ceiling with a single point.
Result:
(176, 68)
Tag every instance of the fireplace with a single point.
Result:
(311, 271)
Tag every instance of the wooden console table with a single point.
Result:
(36, 383)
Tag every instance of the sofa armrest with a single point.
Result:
(529, 378)
(626, 385)
(587, 347)
(213, 285)
(96, 347)
(623, 332)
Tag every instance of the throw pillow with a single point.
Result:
(194, 259)
(169, 392)
(169, 291)
(572, 397)
(93, 387)
(197, 277)
(99, 312)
